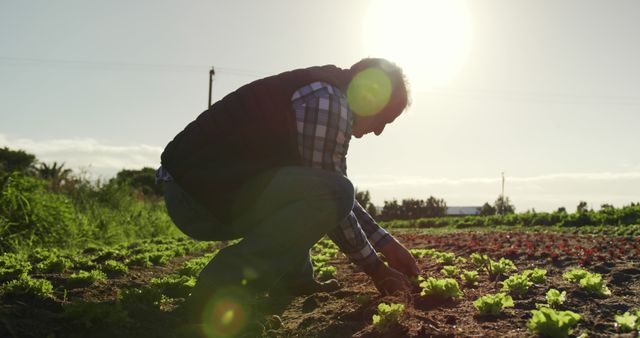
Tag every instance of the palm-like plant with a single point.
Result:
(55, 173)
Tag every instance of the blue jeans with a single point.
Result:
(297, 208)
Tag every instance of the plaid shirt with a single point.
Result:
(324, 123)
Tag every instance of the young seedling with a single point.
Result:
(493, 304)
(575, 275)
(536, 276)
(114, 268)
(388, 316)
(174, 286)
(469, 277)
(444, 288)
(54, 265)
(555, 298)
(516, 285)
(590, 282)
(628, 322)
(326, 272)
(27, 286)
(594, 284)
(547, 322)
(449, 270)
(83, 278)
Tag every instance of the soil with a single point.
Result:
(346, 313)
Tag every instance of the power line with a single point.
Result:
(127, 66)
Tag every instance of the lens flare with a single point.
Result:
(225, 315)
(369, 91)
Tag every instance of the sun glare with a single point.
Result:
(429, 39)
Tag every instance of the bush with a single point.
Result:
(36, 217)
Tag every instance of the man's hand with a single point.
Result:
(399, 258)
(389, 281)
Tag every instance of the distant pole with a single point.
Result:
(503, 185)
(212, 72)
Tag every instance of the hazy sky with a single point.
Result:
(547, 91)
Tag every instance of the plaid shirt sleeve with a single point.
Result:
(324, 123)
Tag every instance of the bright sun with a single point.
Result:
(429, 39)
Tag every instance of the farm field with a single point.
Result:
(136, 289)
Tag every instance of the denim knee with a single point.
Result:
(344, 196)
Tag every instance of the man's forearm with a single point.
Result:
(376, 234)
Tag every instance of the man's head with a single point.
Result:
(377, 93)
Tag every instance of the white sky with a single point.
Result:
(549, 92)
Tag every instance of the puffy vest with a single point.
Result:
(248, 133)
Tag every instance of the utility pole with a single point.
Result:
(503, 185)
(212, 72)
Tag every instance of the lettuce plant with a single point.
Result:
(450, 270)
(54, 264)
(114, 268)
(547, 322)
(27, 286)
(388, 316)
(628, 322)
(86, 278)
(469, 277)
(590, 282)
(447, 258)
(595, 285)
(446, 288)
(174, 286)
(501, 267)
(517, 284)
(420, 253)
(493, 304)
(575, 275)
(555, 297)
(326, 272)
(536, 276)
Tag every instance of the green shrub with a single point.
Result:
(27, 286)
(86, 278)
(37, 216)
(547, 322)
(493, 304)
(445, 288)
(388, 316)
